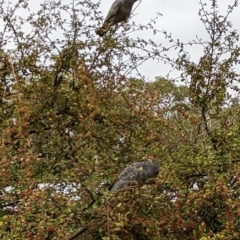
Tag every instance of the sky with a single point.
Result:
(182, 20)
(179, 17)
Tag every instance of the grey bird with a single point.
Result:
(135, 174)
(120, 11)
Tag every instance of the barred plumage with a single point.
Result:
(135, 174)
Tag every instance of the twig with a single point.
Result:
(78, 233)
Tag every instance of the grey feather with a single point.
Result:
(119, 11)
(135, 174)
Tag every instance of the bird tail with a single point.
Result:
(103, 30)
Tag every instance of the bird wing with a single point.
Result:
(130, 171)
(130, 174)
(115, 8)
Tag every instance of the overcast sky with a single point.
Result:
(179, 17)
(182, 20)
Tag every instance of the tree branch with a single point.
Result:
(78, 233)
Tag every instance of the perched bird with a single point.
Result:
(135, 174)
(119, 12)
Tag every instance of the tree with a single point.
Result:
(74, 116)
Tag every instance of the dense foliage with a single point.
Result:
(73, 115)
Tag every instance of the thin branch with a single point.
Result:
(78, 233)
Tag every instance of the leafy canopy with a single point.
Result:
(74, 114)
